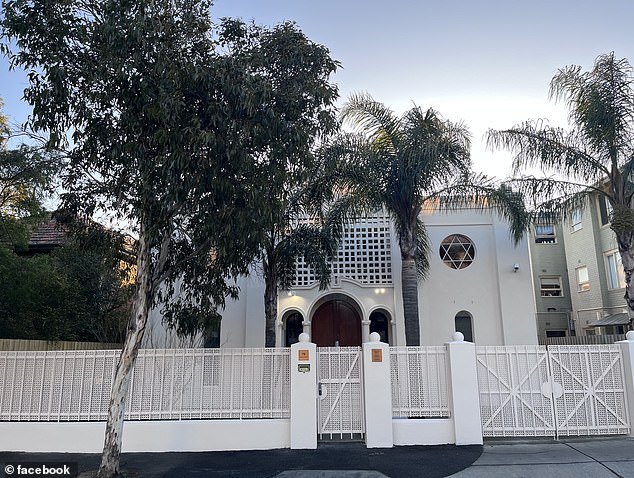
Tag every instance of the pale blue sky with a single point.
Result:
(485, 62)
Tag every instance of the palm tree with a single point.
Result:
(303, 238)
(595, 157)
(297, 228)
(404, 164)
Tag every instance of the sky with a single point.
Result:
(487, 63)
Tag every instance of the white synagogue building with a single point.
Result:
(479, 283)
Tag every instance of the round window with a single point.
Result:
(457, 251)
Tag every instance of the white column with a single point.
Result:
(377, 391)
(279, 333)
(365, 331)
(463, 390)
(303, 394)
(627, 349)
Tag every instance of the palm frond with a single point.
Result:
(311, 242)
(600, 103)
(537, 144)
(478, 192)
(373, 119)
(549, 199)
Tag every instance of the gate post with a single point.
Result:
(303, 394)
(627, 350)
(463, 390)
(377, 389)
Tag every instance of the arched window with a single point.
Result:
(212, 336)
(294, 327)
(380, 323)
(464, 324)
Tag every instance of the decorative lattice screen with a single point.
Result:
(364, 254)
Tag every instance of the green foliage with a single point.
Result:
(593, 156)
(177, 129)
(405, 164)
(399, 163)
(26, 178)
(72, 294)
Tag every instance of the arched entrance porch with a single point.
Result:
(336, 322)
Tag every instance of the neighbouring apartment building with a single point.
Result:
(578, 275)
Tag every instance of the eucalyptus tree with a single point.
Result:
(165, 122)
(26, 179)
(595, 156)
(404, 164)
(302, 113)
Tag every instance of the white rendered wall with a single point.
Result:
(500, 301)
(147, 436)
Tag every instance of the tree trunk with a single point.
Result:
(409, 285)
(626, 248)
(270, 302)
(140, 310)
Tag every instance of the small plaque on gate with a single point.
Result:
(377, 355)
(303, 355)
(303, 367)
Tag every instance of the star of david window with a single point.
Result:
(457, 251)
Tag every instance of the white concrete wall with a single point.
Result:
(501, 301)
(430, 431)
(147, 436)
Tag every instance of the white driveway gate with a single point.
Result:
(565, 390)
(340, 407)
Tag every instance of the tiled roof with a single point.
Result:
(47, 233)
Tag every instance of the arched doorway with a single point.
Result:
(336, 322)
(380, 323)
(464, 324)
(294, 325)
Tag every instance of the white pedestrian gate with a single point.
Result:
(340, 401)
(562, 390)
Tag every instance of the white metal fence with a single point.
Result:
(419, 382)
(166, 384)
(592, 397)
(340, 405)
(562, 390)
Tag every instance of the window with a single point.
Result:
(545, 234)
(555, 333)
(464, 324)
(380, 324)
(294, 327)
(583, 281)
(605, 210)
(614, 269)
(457, 251)
(575, 220)
(550, 286)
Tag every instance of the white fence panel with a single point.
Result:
(510, 380)
(591, 399)
(563, 390)
(340, 407)
(169, 384)
(419, 382)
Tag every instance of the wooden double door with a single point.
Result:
(336, 322)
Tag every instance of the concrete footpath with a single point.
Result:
(597, 458)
